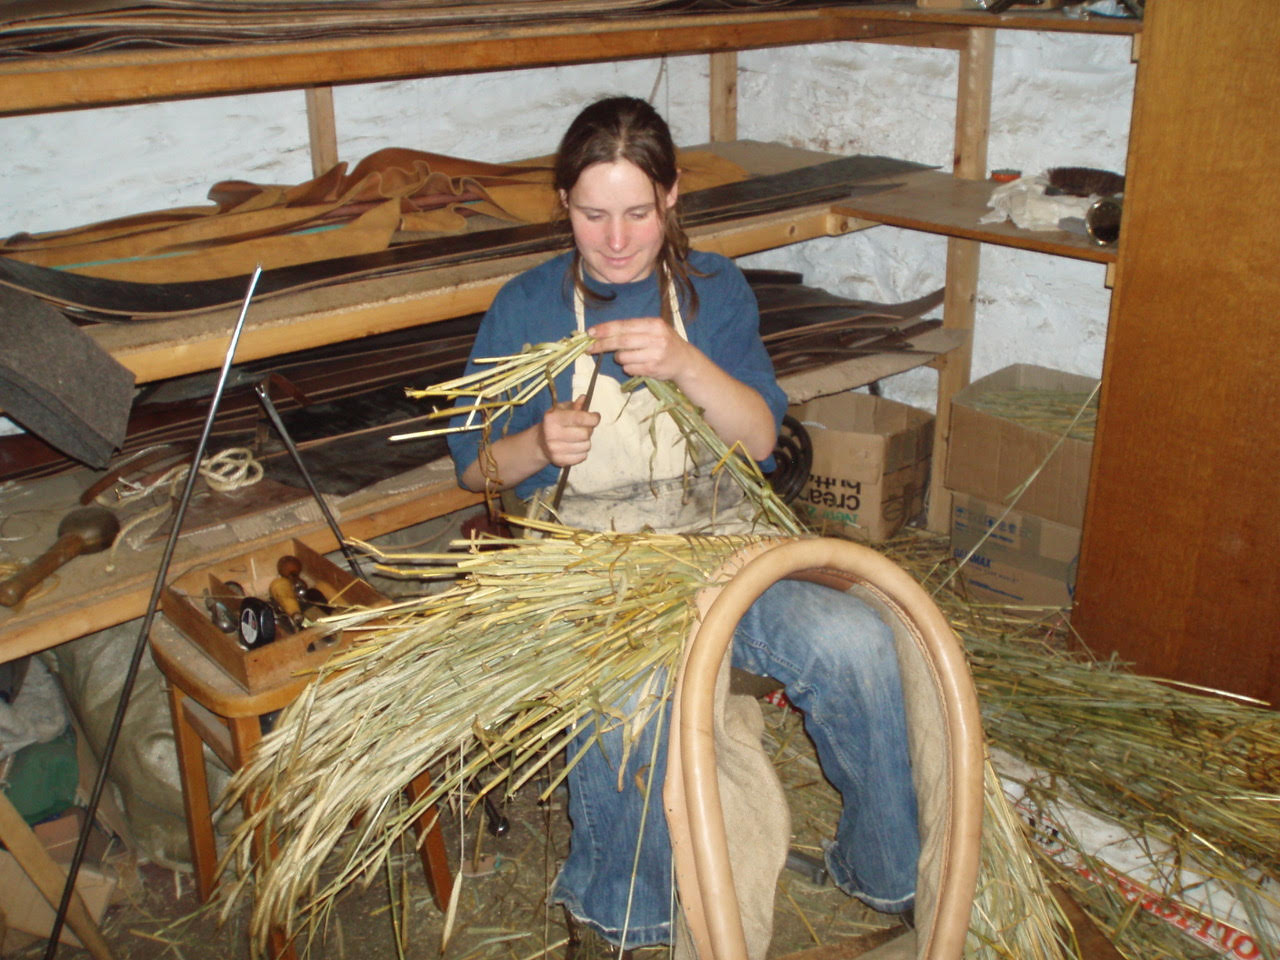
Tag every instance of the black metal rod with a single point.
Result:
(145, 631)
(274, 415)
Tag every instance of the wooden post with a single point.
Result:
(1179, 556)
(973, 120)
(322, 128)
(49, 878)
(724, 96)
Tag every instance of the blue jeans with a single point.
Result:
(836, 659)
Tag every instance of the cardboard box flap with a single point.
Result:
(870, 464)
(992, 457)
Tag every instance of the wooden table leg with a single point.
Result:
(435, 861)
(245, 734)
(195, 796)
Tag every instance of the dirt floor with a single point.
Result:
(502, 912)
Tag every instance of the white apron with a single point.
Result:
(651, 485)
(659, 488)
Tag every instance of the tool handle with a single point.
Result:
(282, 592)
(67, 547)
(586, 405)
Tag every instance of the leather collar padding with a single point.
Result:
(58, 383)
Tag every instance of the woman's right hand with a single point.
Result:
(566, 430)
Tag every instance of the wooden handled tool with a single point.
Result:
(86, 530)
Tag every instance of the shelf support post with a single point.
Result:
(724, 96)
(973, 121)
(322, 129)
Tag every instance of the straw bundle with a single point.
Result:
(506, 382)
(1051, 411)
(1180, 770)
(549, 631)
(497, 670)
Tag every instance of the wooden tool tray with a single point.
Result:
(290, 654)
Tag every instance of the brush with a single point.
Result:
(1084, 182)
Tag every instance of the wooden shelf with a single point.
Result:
(929, 201)
(159, 349)
(42, 83)
(100, 590)
(928, 347)
(938, 202)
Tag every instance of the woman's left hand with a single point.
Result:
(648, 347)
(644, 347)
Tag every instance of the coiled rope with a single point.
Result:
(226, 470)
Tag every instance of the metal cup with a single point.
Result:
(1102, 219)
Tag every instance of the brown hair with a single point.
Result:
(626, 128)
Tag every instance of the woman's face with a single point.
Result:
(617, 224)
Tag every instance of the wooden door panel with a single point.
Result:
(1180, 563)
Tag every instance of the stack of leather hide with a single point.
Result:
(82, 26)
(392, 196)
(341, 403)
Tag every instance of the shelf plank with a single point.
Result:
(937, 202)
(100, 590)
(37, 83)
(860, 371)
(126, 76)
(1023, 19)
(158, 349)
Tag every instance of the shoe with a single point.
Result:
(586, 943)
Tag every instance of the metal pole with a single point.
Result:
(145, 631)
(274, 415)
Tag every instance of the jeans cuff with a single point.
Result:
(843, 877)
(637, 936)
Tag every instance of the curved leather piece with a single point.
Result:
(122, 299)
(944, 729)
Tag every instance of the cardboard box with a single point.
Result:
(990, 456)
(870, 465)
(1025, 560)
(27, 911)
(61, 836)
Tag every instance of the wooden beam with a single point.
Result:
(973, 120)
(48, 878)
(724, 96)
(322, 129)
(133, 76)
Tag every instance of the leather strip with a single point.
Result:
(85, 26)
(106, 299)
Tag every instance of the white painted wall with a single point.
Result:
(1059, 99)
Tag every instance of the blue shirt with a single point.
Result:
(537, 307)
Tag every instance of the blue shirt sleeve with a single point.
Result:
(524, 312)
(727, 329)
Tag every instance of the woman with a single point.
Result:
(657, 309)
